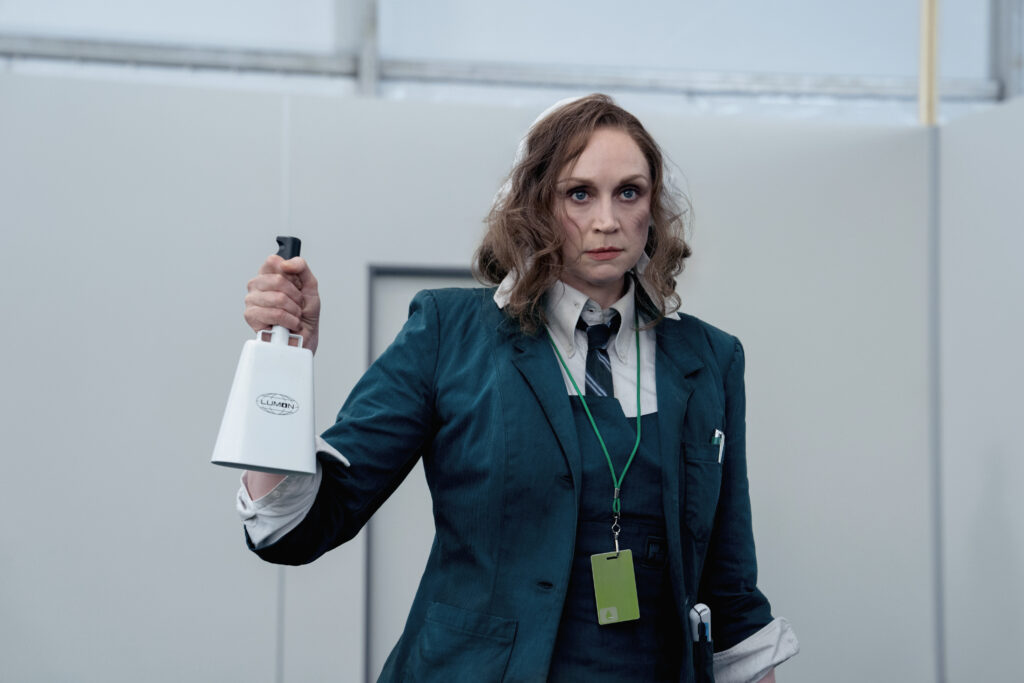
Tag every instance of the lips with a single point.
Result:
(604, 253)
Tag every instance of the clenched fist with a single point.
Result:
(285, 293)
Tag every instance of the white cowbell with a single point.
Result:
(268, 425)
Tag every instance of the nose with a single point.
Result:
(604, 218)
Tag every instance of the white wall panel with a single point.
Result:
(982, 320)
(132, 218)
(121, 555)
(811, 245)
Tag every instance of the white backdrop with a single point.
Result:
(132, 217)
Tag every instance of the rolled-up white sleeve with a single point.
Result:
(750, 660)
(273, 515)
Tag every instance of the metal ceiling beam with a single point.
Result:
(684, 82)
(491, 73)
(178, 56)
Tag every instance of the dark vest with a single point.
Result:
(647, 649)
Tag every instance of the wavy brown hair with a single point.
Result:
(524, 234)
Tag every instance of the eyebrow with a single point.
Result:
(586, 181)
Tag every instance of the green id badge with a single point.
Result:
(615, 587)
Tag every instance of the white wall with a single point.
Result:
(133, 217)
(982, 320)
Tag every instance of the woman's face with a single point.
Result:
(604, 205)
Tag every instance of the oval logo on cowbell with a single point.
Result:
(277, 404)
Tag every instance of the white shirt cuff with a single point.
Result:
(273, 515)
(751, 659)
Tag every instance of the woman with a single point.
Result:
(546, 552)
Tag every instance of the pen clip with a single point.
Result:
(718, 439)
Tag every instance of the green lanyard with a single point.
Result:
(616, 480)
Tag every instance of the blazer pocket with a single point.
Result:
(459, 645)
(703, 482)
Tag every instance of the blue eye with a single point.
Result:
(578, 195)
(630, 193)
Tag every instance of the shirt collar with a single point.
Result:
(563, 306)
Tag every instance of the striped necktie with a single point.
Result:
(599, 367)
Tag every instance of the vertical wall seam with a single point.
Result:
(286, 190)
(285, 219)
(935, 394)
(368, 68)
(279, 645)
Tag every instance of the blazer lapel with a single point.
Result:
(533, 357)
(674, 363)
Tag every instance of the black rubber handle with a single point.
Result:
(289, 246)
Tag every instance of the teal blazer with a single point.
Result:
(485, 406)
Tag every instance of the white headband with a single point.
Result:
(521, 149)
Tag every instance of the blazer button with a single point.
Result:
(566, 480)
